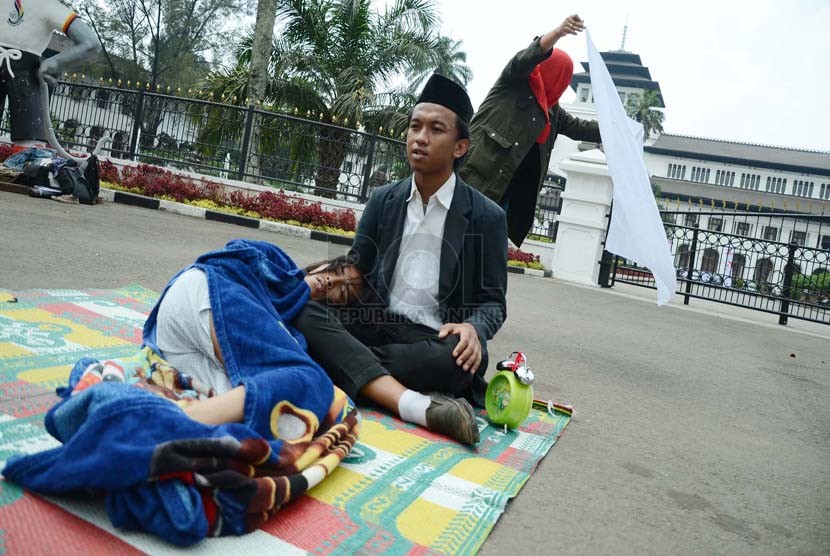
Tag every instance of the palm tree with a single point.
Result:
(448, 59)
(334, 61)
(261, 42)
(645, 108)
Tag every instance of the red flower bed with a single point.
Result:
(514, 254)
(275, 205)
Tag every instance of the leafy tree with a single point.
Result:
(157, 42)
(167, 39)
(334, 61)
(645, 108)
(449, 59)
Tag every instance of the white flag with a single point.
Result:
(636, 231)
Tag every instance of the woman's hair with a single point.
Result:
(357, 288)
(331, 264)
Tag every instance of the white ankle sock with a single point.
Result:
(412, 407)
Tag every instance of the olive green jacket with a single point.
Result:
(503, 134)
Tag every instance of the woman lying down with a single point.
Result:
(235, 421)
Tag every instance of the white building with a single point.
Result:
(630, 77)
(731, 179)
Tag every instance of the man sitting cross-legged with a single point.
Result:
(434, 252)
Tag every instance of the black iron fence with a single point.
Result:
(295, 152)
(548, 206)
(776, 262)
(212, 138)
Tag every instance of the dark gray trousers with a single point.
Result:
(354, 348)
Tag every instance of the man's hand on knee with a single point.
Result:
(468, 350)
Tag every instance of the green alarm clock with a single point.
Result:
(509, 395)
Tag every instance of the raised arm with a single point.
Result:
(577, 128)
(86, 45)
(522, 64)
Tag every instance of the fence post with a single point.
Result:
(367, 169)
(246, 143)
(605, 259)
(787, 293)
(614, 270)
(692, 257)
(137, 118)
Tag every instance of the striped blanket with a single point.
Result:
(124, 435)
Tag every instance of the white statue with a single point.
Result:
(24, 36)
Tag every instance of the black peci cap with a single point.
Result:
(446, 92)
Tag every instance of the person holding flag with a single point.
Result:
(513, 132)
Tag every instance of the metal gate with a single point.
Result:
(776, 263)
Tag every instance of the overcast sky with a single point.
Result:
(751, 71)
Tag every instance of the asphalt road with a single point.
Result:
(694, 432)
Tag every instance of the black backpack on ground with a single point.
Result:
(82, 184)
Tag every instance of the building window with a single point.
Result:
(743, 180)
(583, 94)
(691, 219)
(731, 178)
(700, 174)
(683, 172)
(770, 233)
(709, 263)
(799, 238)
(715, 224)
(822, 191)
(825, 242)
(738, 265)
(769, 181)
(667, 218)
(683, 256)
(347, 167)
(803, 188)
(742, 228)
(763, 269)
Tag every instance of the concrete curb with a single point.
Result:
(530, 271)
(133, 199)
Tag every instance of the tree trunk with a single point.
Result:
(258, 73)
(331, 150)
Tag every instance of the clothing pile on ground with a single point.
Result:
(51, 176)
(126, 437)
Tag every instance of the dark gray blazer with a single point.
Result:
(473, 275)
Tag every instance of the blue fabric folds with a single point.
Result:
(164, 473)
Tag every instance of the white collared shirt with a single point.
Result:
(414, 290)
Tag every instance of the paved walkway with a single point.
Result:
(699, 430)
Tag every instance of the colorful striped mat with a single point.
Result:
(402, 490)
